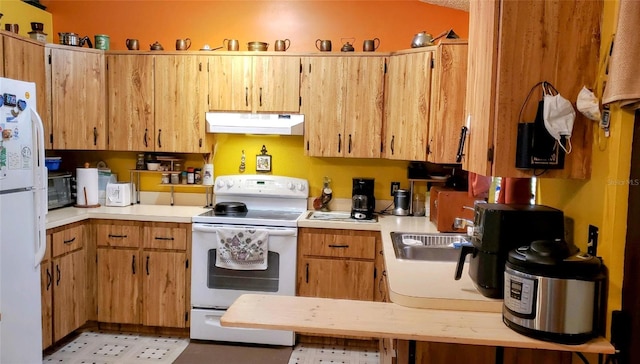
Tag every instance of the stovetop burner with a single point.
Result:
(230, 208)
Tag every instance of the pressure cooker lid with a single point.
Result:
(556, 259)
(230, 208)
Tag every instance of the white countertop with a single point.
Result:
(411, 283)
(161, 213)
(415, 283)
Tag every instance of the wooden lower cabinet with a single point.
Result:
(436, 353)
(118, 286)
(336, 263)
(46, 295)
(164, 289)
(68, 271)
(143, 273)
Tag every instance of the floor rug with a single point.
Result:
(219, 353)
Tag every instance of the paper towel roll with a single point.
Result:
(87, 186)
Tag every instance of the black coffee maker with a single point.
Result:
(499, 228)
(363, 202)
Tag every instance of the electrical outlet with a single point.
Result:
(592, 243)
(394, 186)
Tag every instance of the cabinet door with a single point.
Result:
(69, 312)
(230, 83)
(164, 289)
(131, 103)
(364, 107)
(78, 99)
(46, 290)
(276, 84)
(118, 286)
(481, 93)
(324, 89)
(435, 353)
(447, 102)
(180, 103)
(340, 278)
(25, 60)
(407, 106)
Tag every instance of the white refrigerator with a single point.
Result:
(23, 206)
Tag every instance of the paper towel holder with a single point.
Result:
(84, 191)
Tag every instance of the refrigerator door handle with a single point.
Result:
(40, 189)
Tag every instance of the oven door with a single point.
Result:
(214, 287)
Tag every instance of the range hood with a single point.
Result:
(249, 123)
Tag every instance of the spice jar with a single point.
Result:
(140, 164)
(165, 178)
(197, 176)
(183, 177)
(175, 178)
(190, 175)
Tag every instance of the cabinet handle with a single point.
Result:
(393, 137)
(463, 137)
(164, 238)
(260, 96)
(246, 96)
(338, 246)
(146, 135)
(147, 265)
(95, 136)
(58, 271)
(117, 236)
(69, 241)
(339, 142)
(159, 140)
(49, 278)
(133, 264)
(349, 143)
(307, 273)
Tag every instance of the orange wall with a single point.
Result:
(394, 22)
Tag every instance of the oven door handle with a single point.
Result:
(272, 232)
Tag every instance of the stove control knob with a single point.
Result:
(220, 183)
(290, 186)
(300, 187)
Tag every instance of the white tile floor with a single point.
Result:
(121, 348)
(96, 347)
(321, 354)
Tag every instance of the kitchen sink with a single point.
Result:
(442, 247)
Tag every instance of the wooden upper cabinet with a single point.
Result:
(512, 46)
(342, 99)
(78, 98)
(180, 103)
(254, 83)
(323, 84)
(407, 104)
(25, 60)
(229, 83)
(276, 84)
(446, 118)
(131, 102)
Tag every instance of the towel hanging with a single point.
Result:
(242, 249)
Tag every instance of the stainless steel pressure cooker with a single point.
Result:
(553, 292)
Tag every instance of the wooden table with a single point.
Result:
(387, 320)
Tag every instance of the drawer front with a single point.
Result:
(333, 245)
(118, 235)
(165, 237)
(68, 240)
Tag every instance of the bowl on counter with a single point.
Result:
(153, 166)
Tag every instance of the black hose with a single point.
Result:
(581, 356)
